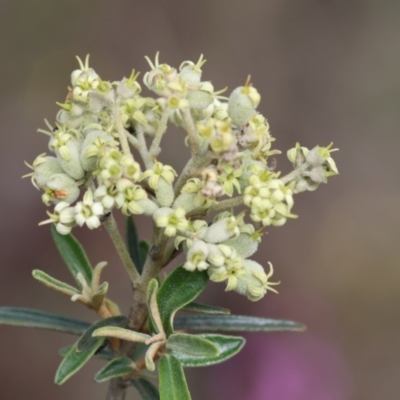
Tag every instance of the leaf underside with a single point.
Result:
(73, 255)
(33, 318)
(179, 289)
(173, 384)
(236, 323)
(146, 389)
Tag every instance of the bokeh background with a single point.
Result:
(328, 70)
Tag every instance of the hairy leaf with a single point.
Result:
(227, 347)
(191, 345)
(120, 333)
(144, 247)
(199, 308)
(73, 254)
(115, 368)
(180, 288)
(53, 283)
(75, 360)
(173, 384)
(235, 323)
(86, 340)
(104, 354)
(132, 241)
(146, 389)
(32, 318)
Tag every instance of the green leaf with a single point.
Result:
(205, 309)
(115, 368)
(227, 347)
(146, 389)
(86, 340)
(191, 345)
(99, 297)
(75, 360)
(155, 324)
(73, 254)
(173, 384)
(32, 318)
(104, 354)
(144, 247)
(132, 241)
(179, 289)
(53, 283)
(235, 323)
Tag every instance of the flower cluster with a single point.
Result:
(105, 149)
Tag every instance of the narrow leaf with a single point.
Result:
(104, 354)
(205, 309)
(53, 283)
(75, 360)
(146, 389)
(180, 288)
(144, 248)
(191, 345)
(115, 368)
(99, 296)
(86, 341)
(120, 333)
(235, 323)
(32, 318)
(155, 324)
(227, 347)
(173, 384)
(132, 240)
(73, 255)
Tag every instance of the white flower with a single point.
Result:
(63, 218)
(88, 211)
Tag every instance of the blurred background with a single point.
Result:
(327, 71)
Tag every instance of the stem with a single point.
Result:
(193, 165)
(191, 130)
(222, 205)
(119, 244)
(291, 176)
(142, 148)
(116, 389)
(161, 128)
(121, 131)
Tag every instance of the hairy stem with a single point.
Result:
(191, 130)
(291, 176)
(121, 130)
(192, 166)
(112, 229)
(116, 390)
(162, 126)
(142, 148)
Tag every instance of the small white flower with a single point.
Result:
(63, 218)
(88, 211)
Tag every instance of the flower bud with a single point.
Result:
(164, 193)
(242, 103)
(199, 99)
(148, 206)
(254, 283)
(43, 168)
(221, 230)
(297, 155)
(60, 187)
(197, 256)
(244, 245)
(69, 158)
(92, 146)
(186, 201)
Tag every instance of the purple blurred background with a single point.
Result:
(327, 71)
